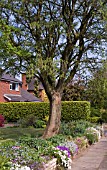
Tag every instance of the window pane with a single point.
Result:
(14, 86)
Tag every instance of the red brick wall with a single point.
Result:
(5, 89)
(24, 83)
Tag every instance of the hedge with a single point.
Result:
(13, 111)
(75, 110)
(72, 110)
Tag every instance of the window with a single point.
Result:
(14, 86)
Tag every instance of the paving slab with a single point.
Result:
(94, 158)
(103, 165)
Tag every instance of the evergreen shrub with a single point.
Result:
(95, 119)
(104, 117)
(75, 110)
(95, 112)
(14, 111)
(71, 110)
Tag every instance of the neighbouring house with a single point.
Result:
(14, 90)
(30, 87)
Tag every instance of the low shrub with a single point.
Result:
(104, 116)
(92, 134)
(39, 123)
(91, 138)
(31, 120)
(36, 143)
(95, 119)
(4, 163)
(81, 142)
(57, 139)
(95, 112)
(74, 128)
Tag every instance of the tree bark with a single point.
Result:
(53, 124)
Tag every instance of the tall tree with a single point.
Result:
(50, 39)
(96, 90)
(74, 90)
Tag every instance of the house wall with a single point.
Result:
(31, 91)
(5, 89)
(43, 96)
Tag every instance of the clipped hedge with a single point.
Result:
(13, 111)
(75, 110)
(72, 110)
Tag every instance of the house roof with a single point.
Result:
(23, 97)
(14, 98)
(29, 97)
(9, 78)
(41, 86)
(31, 85)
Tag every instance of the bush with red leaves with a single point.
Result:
(2, 120)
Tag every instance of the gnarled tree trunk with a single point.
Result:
(53, 124)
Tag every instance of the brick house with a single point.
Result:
(14, 90)
(30, 87)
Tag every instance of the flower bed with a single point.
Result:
(38, 154)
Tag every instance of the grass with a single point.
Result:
(17, 132)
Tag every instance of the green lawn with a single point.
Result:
(17, 132)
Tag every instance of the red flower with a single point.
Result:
(1, 120)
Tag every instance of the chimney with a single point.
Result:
(24, 83)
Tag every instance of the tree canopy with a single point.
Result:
(50, 37)
(96, 90)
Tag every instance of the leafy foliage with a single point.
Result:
(75, 110)
(31, 120)
(74, 128)
(74, 91)
(92, 135)
(16, 110)
(35, 152)
(95, 119)
(50, 39)
(104, 116)
(96, 90)
(38, 111)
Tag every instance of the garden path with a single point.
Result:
(94, 158)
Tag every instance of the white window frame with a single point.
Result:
(16, 86)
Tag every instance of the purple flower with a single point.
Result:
(15, 147)
(63, 148)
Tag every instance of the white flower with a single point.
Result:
(25, 168)
(19, 167)
(69, 163)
